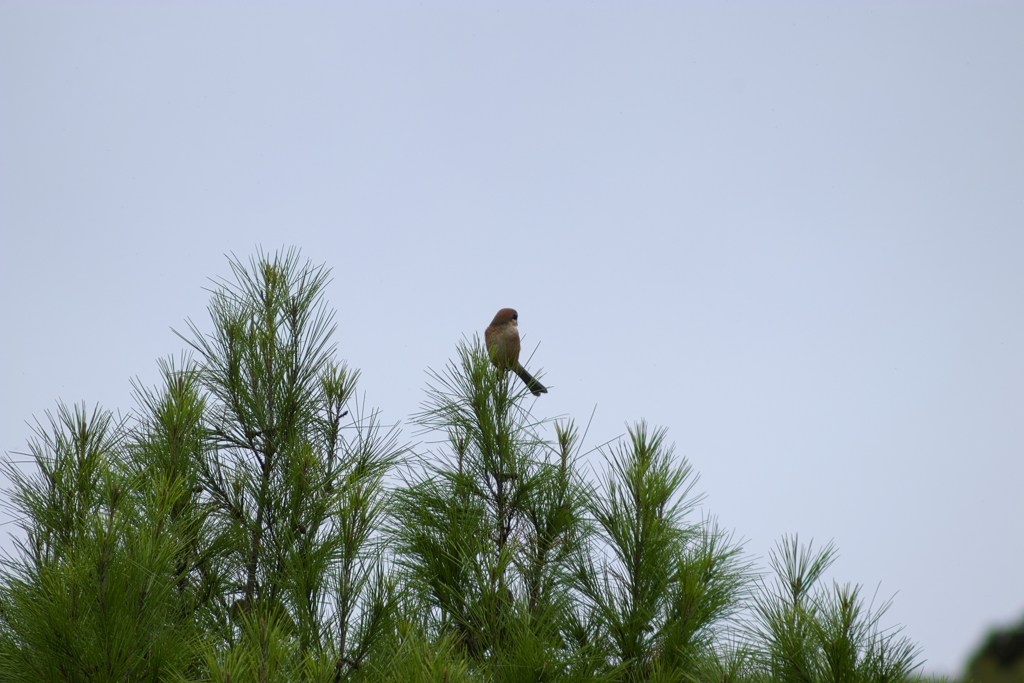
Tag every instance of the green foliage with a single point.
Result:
(294, 475)
(93, 595)
(485, 530)
(246, 524)
(1000, 657)
(808, 634)
(409, 655)
(664, 584)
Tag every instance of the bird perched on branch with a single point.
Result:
(502, 337)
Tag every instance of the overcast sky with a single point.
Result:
(791, 233)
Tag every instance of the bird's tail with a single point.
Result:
(535, 387)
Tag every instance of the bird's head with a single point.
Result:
(506, 316)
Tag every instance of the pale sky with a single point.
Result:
(791, 233)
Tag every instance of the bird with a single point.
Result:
(502, 338)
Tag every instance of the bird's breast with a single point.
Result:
(503, 345)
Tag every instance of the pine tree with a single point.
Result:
(253, 521)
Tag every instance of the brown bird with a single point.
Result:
(502, 337)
